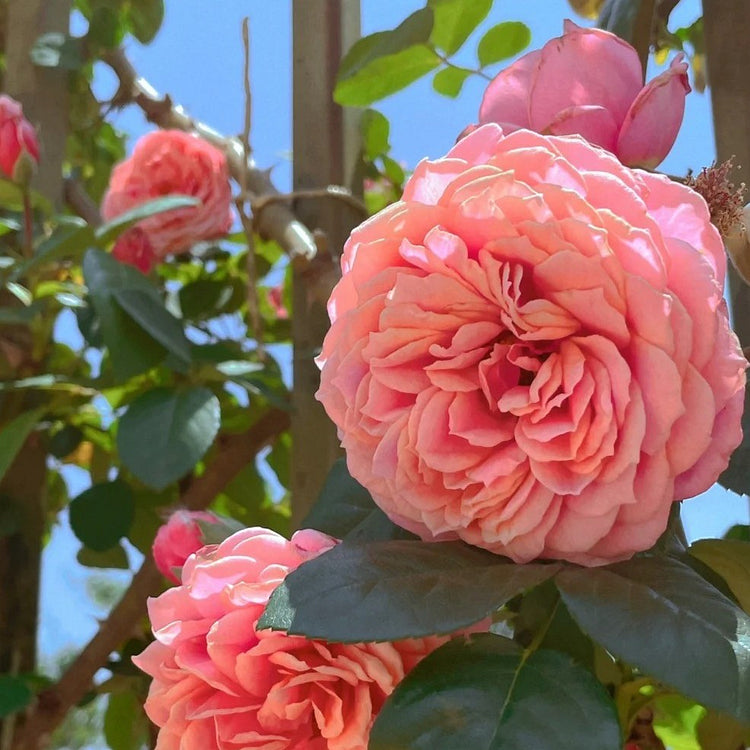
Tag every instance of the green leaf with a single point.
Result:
(125, 724)
(455, 20)
(207, 298)
(68, 240)
(13, 435)
(483, 693)
(15, 694)
(415, 29)
(503, 41)
(730, 558)
(102, 515)
(57, 50)
(450, 81)
(105, 29)
(736, 476)
(146, 17)
(65, 441)
(385, 76)
(115, 558)
(165, 432)
(675, 721)
(739, 531)
(113, 229)
(135, 326)
(345, 509)
(426, 588)
(375, 130)
(652, 612)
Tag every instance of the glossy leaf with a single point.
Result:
(13, 435)
(426, 588)
(345, 510)
(450, 81)
(165, 432)
(113, 229)
(730, 558)
(103, 514)
(484, 693)
(385, 76)
(652, 612)
(455, 20)
(135, 326)
(15, 694)
(503, 41)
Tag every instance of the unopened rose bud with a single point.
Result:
(19, 148)
(185, 533)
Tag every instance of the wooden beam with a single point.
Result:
(326, 151)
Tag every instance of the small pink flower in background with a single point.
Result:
(531, 350)
(170, 162)
(590, 82)
(276, 300)
(219, 684)
(177, 539)
(19, 148)
(135, 248)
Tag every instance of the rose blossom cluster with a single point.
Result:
(531, 351)
(219, 683)
(169, 162)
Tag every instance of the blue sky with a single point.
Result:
(197, 59)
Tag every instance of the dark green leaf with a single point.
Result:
(115, 558)
(485, 694)
(385, 76)
(375, 130)
(207, 298)
(345, 509)
(618, 16)
(69, 239)
(13, 435)
(426, 588)
(105, 29)
(135, 326)
(146, 17)
(730, 558)
(503, 41)
(739, 531)
(102, 515)
(125, 724)
(56, 50)
(15, 694)
(65, 441)
(652, 612)
(415, 29)
(164, 433)
(113, 229)
(455, 20)
(450, 81)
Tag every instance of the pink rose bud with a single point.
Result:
(19, 148)
(589, 82)
(185, 533)
(135, 248)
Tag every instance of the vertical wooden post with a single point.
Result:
(326, 151)
(726, 26)
(43, 93)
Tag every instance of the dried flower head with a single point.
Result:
(725, 200)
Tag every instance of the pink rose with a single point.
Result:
(178, 538)
(220, 684)
(531, 351)
(590, 82)
(19, 148)
(135, 248)
(170, 162)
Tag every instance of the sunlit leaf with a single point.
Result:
(455, 20)
(503, 41)
(449, 81)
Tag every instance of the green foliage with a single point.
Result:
(103, 514)
(450, 81)
(165, 432)
(427, 588)
(125, 724)
(454, 20)
(485, 693)
(730, 558)
(13, 435)
(503, 41)
(15, 694)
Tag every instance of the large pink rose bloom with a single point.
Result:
(219, 684)
(170, 162)
(590, 82)
(531, 352)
